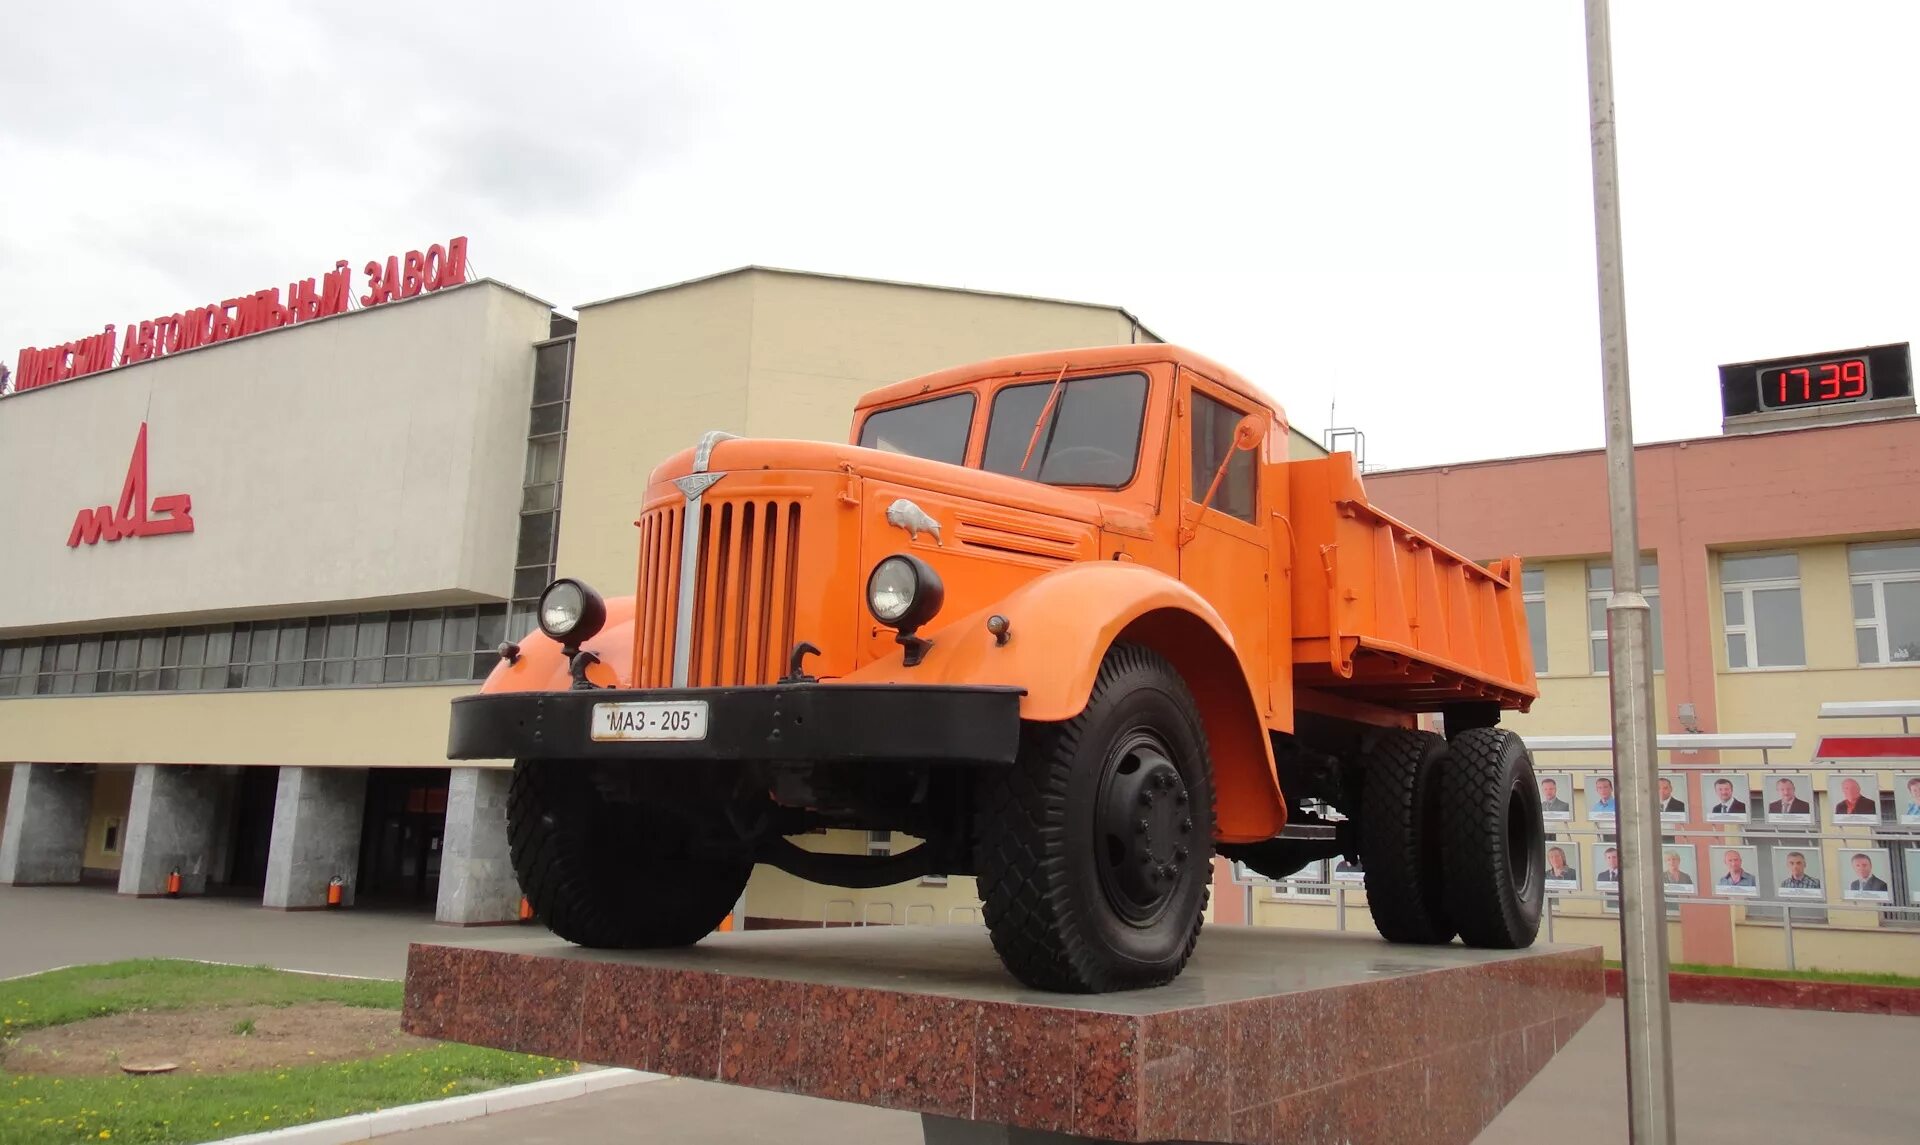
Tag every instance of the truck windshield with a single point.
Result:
(935, 430)
(1092, 437)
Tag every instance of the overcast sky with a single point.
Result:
(1386, 205)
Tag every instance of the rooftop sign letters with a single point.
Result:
(171, 512)
(398, 276)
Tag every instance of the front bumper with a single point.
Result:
(802, 722)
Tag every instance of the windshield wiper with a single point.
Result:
(1039, 423)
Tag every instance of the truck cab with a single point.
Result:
(1077, 621)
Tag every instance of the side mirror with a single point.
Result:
(1251, 431)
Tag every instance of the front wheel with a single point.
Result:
(615, 875)
(1492, 839)
(1095, 848)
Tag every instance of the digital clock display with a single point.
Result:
(1814, 383)
(1871, 381)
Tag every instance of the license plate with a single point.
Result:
(650, 720)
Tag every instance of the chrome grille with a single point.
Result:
(744, 591)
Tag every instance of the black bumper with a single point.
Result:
(812, 723)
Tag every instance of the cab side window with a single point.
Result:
(1213, 424)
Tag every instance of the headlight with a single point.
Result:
(570, 612)
(904, 592)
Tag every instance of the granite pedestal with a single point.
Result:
(1270, 1035)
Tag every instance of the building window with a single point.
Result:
(1599, 587)
(1761, 596)
(1886, 602)
(879, 843)
(110, 837)
(1533, 593)
(540, 491)
(431, 645)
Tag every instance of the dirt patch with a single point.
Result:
(208, 1041)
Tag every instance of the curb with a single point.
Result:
(447, 1111)
(1783, 994)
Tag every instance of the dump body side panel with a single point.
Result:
(1385, 615)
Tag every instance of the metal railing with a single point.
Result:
(1764, 839)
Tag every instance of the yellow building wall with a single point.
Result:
(774, 894)
(112, 797)
(1789, 700)
(767, 354)
(319, 727)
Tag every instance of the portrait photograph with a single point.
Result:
(1556, 797)
(1670, 795)
(1906, 799)
(1734, 871)
(1854, 798)
(1798, 873)
(1562, 874)
(1868, 876)
(1606, 868)
(1601, 802)
(1789, 798)
(1677, 873)
(1725, 797)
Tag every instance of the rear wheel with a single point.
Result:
(615, 875)
(1399, 836)
(1492, 839)
(1094, 850)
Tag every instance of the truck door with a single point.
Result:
(1224, 554)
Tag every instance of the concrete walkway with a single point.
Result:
(44, 927)
(1743, 1075)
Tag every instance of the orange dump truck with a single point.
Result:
(1076, 621)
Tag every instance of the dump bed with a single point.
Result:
(1385, 615)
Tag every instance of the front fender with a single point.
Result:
(1061, 626)
(542, 667)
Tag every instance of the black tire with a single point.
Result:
(613, 875)
(1492, 839)
(1399, 836)
(1078, 898)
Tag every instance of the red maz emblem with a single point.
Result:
(172, 513)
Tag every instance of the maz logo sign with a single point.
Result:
(171, 513)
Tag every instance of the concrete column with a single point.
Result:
(316, 835)
(477, 884)
(171, 826)
(46, 832)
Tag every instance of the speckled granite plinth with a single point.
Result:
(1269, 1036)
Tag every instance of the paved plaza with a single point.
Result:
(1742, 1075)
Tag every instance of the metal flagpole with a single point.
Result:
(1643, 913)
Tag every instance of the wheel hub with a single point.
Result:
(1145, 827)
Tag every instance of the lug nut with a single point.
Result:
(1181, 798)
(1186, 825)
(1146, 799)
(1142, 827)
(1180, 853)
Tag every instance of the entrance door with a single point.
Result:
(401, 837)
(1224, 557)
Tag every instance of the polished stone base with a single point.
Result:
(1270, 1035)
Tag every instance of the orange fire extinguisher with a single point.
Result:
(173, 885)
(526, 909)
(336, 889)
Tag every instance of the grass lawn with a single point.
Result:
(1854, 978)
(186, 1107)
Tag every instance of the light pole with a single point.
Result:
(1643, 913)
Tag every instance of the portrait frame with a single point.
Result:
(1802, 793)
(1879, 867)
(1710, 799)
